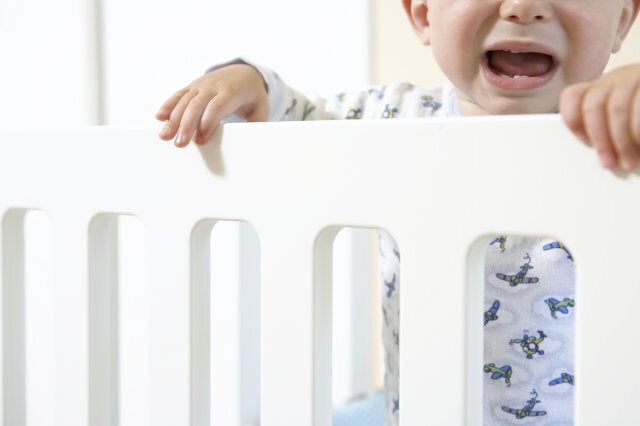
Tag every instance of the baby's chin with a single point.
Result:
(527, 109)
(507, 106)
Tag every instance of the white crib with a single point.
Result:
(453, 182)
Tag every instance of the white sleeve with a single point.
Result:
(386, 101)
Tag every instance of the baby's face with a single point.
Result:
(515, 56)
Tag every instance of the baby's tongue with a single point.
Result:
(528, 64)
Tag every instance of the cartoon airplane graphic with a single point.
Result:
(530, 344)
(520, 277)
(389, 112)
(501, 240)
(498, 373)
(354, 114)
(490, 315)
(558, 245)
(527, 410)
(556, 306)
(430, 102)
(391, 285)
(564, 378)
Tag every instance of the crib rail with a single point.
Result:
(436, 187)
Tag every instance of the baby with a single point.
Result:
(500, 57)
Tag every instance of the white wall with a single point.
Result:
(151, 48)
(47, 76)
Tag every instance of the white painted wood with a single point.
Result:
(104, 321)
(39, 314)
(133, 322)
(456, 180)
(71, 307)
(13, 312)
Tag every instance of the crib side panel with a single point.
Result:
(498, 184)
(435, 187)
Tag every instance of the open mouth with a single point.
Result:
(518, 70)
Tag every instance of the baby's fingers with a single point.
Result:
(595, 116)
(164, 112)
(619, 112)
(247, 106)
(193, 117)
(216, 110)
(584, 109)
(571, 109)
(605, 114)
(173, 123)
(634, 110)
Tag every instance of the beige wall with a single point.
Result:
(398, 55)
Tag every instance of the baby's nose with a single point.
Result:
(525, 11)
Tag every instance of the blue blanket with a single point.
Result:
(368, 411)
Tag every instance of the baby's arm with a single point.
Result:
(195, 111)
(605, 114)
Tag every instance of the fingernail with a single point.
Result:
(629, 164)
(164, 132)
(181, 139)
(607, 160)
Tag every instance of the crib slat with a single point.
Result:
(200, 314)
(287, 322)
(13, 313)
(169, 279)
(71, 378)
(104, 339)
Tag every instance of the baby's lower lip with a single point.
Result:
(516, 83)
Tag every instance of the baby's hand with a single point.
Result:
(605, 114)
(195, 111)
